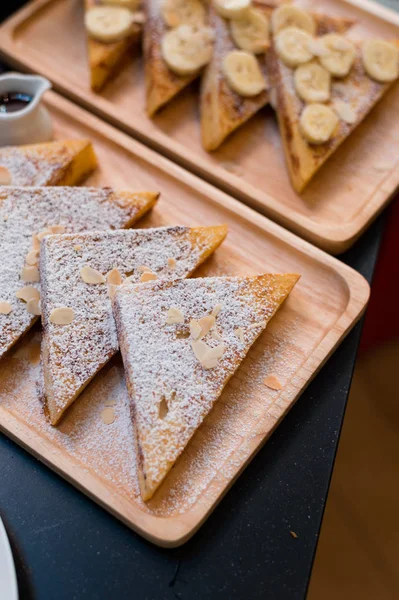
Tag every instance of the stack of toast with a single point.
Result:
(71, 259)
(249, 53)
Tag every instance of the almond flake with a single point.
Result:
(216, 335)
(216, 310)
(32, 257)
(200, 349)
(213, 356)
(30, 274)
(5, 176)
(5, 308)
(114, 277)
(43, 234)
(27, 293)
(77, 247)
(56, 229)
(108, 415)
(206, 324)
(260, 324)
(62, 315)
(195, 329)
(33, 307)
(345, 112)
(272, 382)
(91, 276)
(172, 263)
(35, 242)
(144, 269)
(174, 316)
(239, 332)
(148, 276)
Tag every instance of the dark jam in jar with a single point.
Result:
(11, 102)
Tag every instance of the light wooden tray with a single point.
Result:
(99, 458)
(350, 190)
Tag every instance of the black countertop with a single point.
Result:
(66, 547)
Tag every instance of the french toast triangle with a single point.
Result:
(64, 162)
(105, 57)
(180, 345)
(29, 213)
(162, 83)
(79, 274)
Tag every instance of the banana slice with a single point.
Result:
(183, 12)
(231, 9)
(317, 123)
(292, 16)
(243, 73)
(251, 32)
(130, 4)
(312, 82)
(292, 46)
(108, 23)
(187, 49)
(381, 60)
(339, 56)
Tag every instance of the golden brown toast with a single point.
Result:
(105, 58)
(222, 110)
(357, 89)
(160, 82)
(65, 162)
(73, 354)
(172, 380)
(28, 211)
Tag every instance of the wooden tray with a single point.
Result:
(350, 190)
(99, 458)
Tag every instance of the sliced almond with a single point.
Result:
(172, 263)
(200, 349)
(114, 277)
(272, 382)
(35, 242)
(33, 307)
(206, 324)
(216, 335)
(56, 229)
(62, 315)
(144, 269)
(43, 234)
(148, 276)
(216, 310)
(195, 329)
(239, 332)
(108, 415)
(5, 176)
(32, 257)
(30, 274)
(5, 308)
(174, 316)
(213, 356)
(91, 276)
(259, 324)
(27, 293)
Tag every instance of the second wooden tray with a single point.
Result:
(349, 191)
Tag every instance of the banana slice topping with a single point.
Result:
(243, 73)
(339, 56)
(231, 9)
(292, 16)
(312, 82)
(318, 123)
(187, 49)
(108, 23)
(381, 60)
(183, 12)
(251, 32)
(292, 46)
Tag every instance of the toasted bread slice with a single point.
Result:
(171, 389)
(357, 90)
(160, 82)
(65, 162)
(106, 58)
(27, 211)
(73, 354)
(222, 109)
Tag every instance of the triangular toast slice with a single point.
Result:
(222, 109)
(73, 354)
(65, 162)
(173, 376)
(106, 58)
(357, 91)
(28, 211)
(161, 83)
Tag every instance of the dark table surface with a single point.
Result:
(66, 547)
